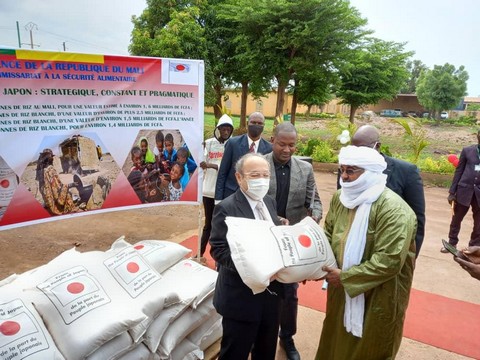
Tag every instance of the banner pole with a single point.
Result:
(199, 242)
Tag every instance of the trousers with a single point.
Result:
(208, 206)
(456, 223)
(289, 311)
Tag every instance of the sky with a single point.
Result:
(438, 31)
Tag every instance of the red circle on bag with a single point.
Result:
(133, 267)
(139, 247)
(9, 328)
(305, 241)
(5, 183)
(75, 288)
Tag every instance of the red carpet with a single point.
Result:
(431, 319)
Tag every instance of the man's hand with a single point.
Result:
(203, 165)
(333, 276)
(283, 220)
(471, 268)
(451, 198)
(472, 253)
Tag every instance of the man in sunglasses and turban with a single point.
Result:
(372, 234)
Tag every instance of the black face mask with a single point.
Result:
(255, 130)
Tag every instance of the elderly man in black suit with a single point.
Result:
(292, 185)
(465, 193)
(402, 177)
(236, 147)
(250, 322)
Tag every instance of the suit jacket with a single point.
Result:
(235, 148)
(466, 180)
(302, 186)
(404, 179)
(232, 297)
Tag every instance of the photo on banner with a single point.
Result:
(85, 133)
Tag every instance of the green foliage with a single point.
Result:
(284, 39)
(415, 68)
(473, 107)
(440, 166)
(319, 115)
(323, 152)
(415, 136)
(468, 120)
(385, 149)
(376, 71)
(307, 148)
(442, 88)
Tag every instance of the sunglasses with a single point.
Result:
(349, 171)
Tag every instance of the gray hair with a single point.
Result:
(256, 115)
(241, 162)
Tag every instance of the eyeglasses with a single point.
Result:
(255, 175)
(349, 171)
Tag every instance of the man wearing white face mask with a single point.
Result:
(250, 322)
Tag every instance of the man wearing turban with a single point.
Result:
(372, 234)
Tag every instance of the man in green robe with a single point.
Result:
(372, 234)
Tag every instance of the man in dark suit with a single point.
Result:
(237, 146)
(292, 185)
(250, 322)
(465, 193)
(402, 177)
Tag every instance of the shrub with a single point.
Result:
(440, 166)
(323, 152)
(306, 148)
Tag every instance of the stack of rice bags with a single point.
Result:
(107, 305)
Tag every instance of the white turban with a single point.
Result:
(363, 157)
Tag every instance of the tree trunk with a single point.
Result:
(353, 109)
(217, 109)
(307, 113)
(243, 107)
(294, 106)
(280, 100)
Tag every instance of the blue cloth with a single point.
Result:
(185, 178)
(173, 158)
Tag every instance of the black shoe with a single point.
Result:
(289, 346)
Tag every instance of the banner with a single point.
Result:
(81, 134)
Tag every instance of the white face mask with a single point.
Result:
(257, 188)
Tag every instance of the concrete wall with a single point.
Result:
(266, 105)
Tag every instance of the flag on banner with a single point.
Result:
(182, 72)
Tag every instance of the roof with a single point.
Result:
(471, 99)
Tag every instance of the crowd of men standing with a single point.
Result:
(375, 226)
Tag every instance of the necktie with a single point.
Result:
(261, 211)
(252, 148)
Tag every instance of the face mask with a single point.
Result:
(257, 188)
(255, 130)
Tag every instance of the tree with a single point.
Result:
(313, 88)
(415, 68)
(375, 71)
(286, 35)
(184, 29)
(442, 87)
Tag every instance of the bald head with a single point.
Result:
(368, 136)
